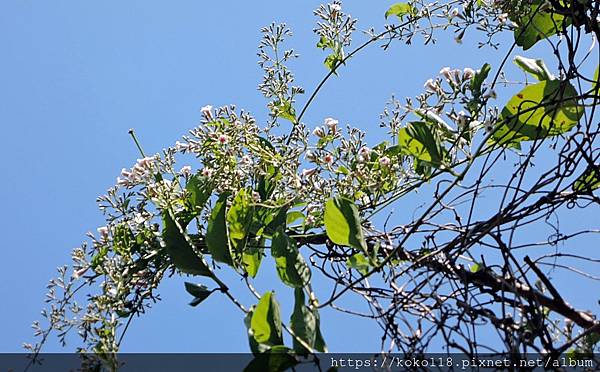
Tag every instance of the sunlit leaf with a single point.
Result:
(342, 223)
(400, 10)
(358, 262)
(266, 321)
(537, 24)
(419, 140)
(291, 267)
(536, 67)
(541, 110)
(589, 180)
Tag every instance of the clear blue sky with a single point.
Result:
(75, 76)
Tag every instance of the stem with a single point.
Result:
(137, 143)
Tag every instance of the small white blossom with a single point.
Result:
(335, 7)
(207, 111)
(186, 170)
(223, 139)
(468, 73)
(446, 72)
(331, 123)
(384, 161)
(319, 132)
(430, 85)
(328, 159)
(181, 146)
(310, 156)
(308, 172)
(246, 160)
(207, 172)
(103, 231)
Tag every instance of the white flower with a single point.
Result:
(186, 170)
(502, 18)
(246, 160)
(430, 84)
(310, 155)
(468, 73)
(308, 172)
(207, 111)
(384, 161)
(181, 146)
(331, 123)
(79, 273)
(103, 231)
(319, 132)
(364, 151)
(455, 13)
(223, 139)
(336, 7)
(328, 159)
(446, 72)
(490, 94)
(207, 172)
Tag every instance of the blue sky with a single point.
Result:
(75, 76)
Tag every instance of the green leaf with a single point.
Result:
(239, 218)
(418, 140)
(358, 262)
(251, 258)
(266, 321)
(400, 10)
(342, 223)
(479, 78)
(198, 190)
(303, 323)
(476, 267)
(291, 267)
(538, 24)
(182, 254)
(589, 180)
(199, 292)
(293, 216)
(541, 110)
(536, 67)
(332, 61)
(267, 182)
(278, 358)
(217, 239)
(285, 110)
(324, 43)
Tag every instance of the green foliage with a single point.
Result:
(400, 10)
(358, 262)
(198, 190)
(420, 141)
(291, 267)
(265, 323)
(536, 67)
(479, 78)
(182, 254)
(285, 110)
(541, 110)
(538, 24)
(217, 239)
(303, 323)
(342, 223)
(276, 359)
(589, 180)
(199, 291)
